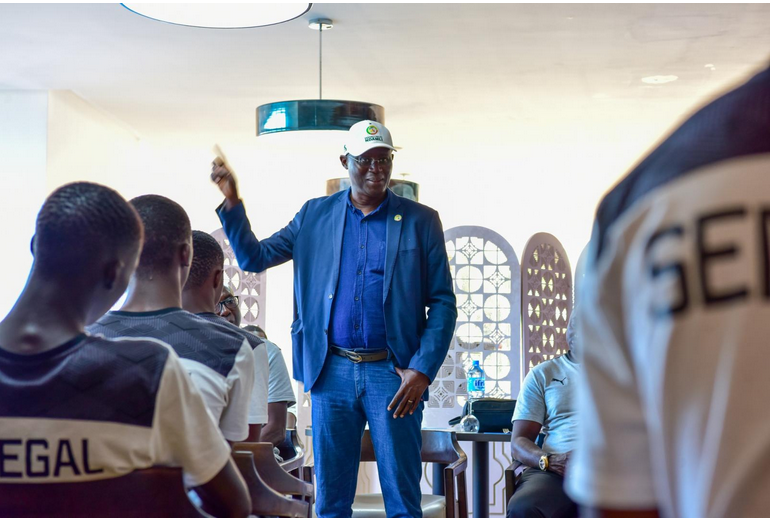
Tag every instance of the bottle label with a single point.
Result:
(476, 384)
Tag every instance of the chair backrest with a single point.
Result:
(153, 492)
(266, 502)
(437, 447)
(292, 421)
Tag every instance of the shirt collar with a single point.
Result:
(383, 204)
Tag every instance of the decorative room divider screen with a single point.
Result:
(248, 286)
(547, 300)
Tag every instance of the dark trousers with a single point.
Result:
(540, 495)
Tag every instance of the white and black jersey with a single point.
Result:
(258, 406)
(220, 361)
(674, 324)
(95, 409)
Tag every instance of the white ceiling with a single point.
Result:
(447, 65)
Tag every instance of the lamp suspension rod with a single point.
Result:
(320, 61)
(320, 24)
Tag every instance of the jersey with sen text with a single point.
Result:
(674, 406)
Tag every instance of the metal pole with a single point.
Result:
(480, 479)
(320, 60)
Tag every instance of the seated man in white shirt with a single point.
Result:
(545, 404)
(280, 394)
(200, 296)
(80, 408)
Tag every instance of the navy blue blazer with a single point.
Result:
(418, 300)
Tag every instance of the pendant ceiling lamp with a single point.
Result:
(220, 16)
(315, 115)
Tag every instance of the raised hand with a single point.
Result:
(226, 181)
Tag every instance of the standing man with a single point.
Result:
(674, 325)
(374, 316)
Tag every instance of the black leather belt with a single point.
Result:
(360, 357)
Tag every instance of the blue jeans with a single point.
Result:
(345, 397)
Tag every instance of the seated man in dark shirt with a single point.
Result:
(81, 408)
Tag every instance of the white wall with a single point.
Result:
(23, 117)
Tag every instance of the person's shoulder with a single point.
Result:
(733, 125)
(128, 344)
(106, 320)
(138, 361)
(324, 202)
(545, 369)
(272, 349)
(222, 323)
(214, 334)
(254, 341)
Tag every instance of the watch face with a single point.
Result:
(543, 463)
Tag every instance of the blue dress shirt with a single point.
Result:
(357, 317)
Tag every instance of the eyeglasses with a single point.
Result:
(363, 161)
(229, 302)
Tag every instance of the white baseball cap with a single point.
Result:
(366, 135)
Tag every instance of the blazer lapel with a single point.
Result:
(393, 232)
(338, 222)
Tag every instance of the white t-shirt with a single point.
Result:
(279, 384)
(219, 360)
(547, 397)
(96, 409)
(674, 325)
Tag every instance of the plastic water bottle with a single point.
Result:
(475, 382)
(475, 389)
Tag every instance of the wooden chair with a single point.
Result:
(437, 447)
(271, 472)
(511, 478)
(292, 452)
(154, 492)
(266, 501)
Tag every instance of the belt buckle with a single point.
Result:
(352, 356)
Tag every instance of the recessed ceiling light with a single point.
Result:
(220, 16)
(661, 79)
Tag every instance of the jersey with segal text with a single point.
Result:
(96, 409)
(674, 324)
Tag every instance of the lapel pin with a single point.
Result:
(398, 218)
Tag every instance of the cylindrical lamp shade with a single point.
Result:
(315, 115)
(400, 187)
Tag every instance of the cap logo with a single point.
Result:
(372, 130)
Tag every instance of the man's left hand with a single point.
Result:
(414, 383)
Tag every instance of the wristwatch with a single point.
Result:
(544, 462)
